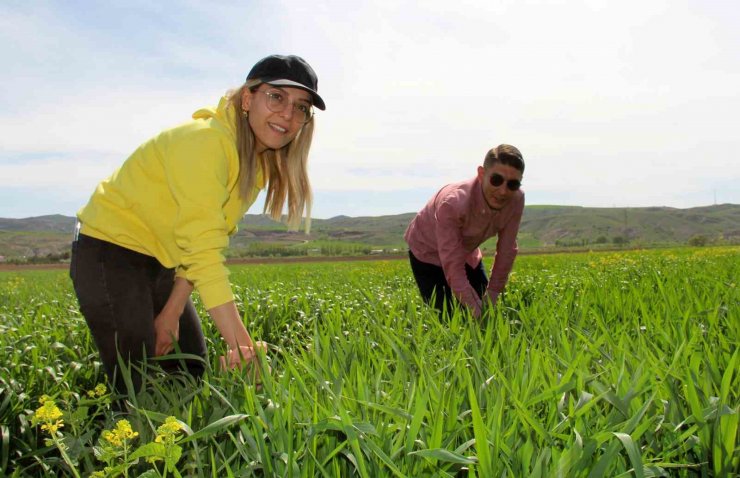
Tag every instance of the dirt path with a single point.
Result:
(374, 257)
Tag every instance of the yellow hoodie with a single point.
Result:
(176, 198)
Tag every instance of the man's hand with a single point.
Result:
(477, 309)
(166, 332)
(488, 301)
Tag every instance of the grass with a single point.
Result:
(600, 364)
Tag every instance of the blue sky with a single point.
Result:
(613, 103)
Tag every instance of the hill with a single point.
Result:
(48, 237)
(550, 225)
(52, 223)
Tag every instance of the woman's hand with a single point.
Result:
(167, 323)
(166, 332)
(242, 350)
(246, 358)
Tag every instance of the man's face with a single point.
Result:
(499, 183)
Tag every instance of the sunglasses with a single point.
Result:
(497, 180)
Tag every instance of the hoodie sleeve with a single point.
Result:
(198, 170)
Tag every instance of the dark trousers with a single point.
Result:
(120, 293)
(434, 287)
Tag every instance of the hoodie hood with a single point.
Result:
(223, 114)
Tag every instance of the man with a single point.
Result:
(445, 236)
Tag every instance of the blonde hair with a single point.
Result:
(285, 170)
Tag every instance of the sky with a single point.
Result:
(613, 103)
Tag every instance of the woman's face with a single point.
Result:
(497, 196)
(275, 129)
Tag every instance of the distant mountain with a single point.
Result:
(542, 226)
(649, 225)
(53, 223)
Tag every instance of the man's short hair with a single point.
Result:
(505, 154)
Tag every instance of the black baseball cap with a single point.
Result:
(290, 70)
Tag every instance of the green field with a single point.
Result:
(591, 365)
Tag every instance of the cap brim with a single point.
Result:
(317, 101)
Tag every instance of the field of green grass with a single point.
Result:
(591, 365)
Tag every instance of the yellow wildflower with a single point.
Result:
(48, 415)
(111, 438)
(120, 434)
(48, 411)
(167, 431)
(52, 428)
(99, 390)
(123, 428)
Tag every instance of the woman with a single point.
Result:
(158, 226)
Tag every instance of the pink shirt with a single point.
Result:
(449, 229)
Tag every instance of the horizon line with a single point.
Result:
(414, 212)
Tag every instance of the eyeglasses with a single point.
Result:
(497, 180)
(277, 101)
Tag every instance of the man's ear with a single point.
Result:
(481, 173)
